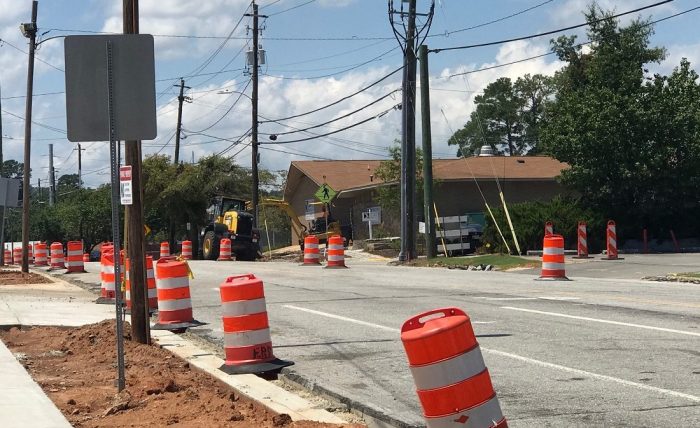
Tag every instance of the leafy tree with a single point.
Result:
(12, 169)
(631, 141)
(389, 171)
(507, 117)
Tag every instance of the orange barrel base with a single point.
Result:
(173, 288)
(247, 342)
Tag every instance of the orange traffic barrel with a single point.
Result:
(57, 258)
(17, 255)
(312, 256)
(247, 341)
(164, 249)
(150, 283)
(553, 266)
(8, 257)
(225, 250)
(453, 384)
(108, 280)
(30, 254)
(173, 289)
(40, 254)
(186, 250)
(611, 241)
(336, 252)
(86, 257)
(74, 257)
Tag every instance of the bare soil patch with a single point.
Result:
(76, 367)
(15, 277)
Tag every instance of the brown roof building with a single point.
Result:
(522, 178)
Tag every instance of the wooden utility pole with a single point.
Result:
(29, 31)
(181, 98)
(136, 249)
(52, 178)
(254, 124)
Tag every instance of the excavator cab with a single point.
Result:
(229, 219)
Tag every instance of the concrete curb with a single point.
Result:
(271, 396)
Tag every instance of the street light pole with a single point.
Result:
(29, 31)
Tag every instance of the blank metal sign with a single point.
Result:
(134, 99)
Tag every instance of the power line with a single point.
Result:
(377, 116)
(240, 95)
(34, 95)
(291, 8)
(337, 101)
(547, 33)
(35, 56)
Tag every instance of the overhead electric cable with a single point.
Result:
(240, 95)
(291, 8)
(547, 33)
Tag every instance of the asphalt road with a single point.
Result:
(588, 352)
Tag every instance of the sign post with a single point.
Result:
(373, 215)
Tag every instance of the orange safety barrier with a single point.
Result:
(336, 252)
(247, 341)
(17, 255)
(548, 228)
(582, 242)
(225, 250)
(312, 256)
(186, 253)
(611, 241)
(74, 257)
(57, 258)
(8, 257)
(86, 257)
(30, 254)
(453, 384)
(150, 283)
(553, 258)
(173, 288)
(40, 254)
(164, 249)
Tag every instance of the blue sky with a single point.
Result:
(347, 42)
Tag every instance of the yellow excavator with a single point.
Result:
(318, 228)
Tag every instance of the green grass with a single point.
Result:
(688, 274)
(499, 261)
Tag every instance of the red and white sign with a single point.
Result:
(125, 185)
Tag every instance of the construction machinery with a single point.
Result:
(322, 227)
(228, 219)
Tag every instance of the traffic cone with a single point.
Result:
(164, 249)
(582, 242)
(336, 253)
(247, 341)
(553, 267)
(173, 288)
(312, 256)
(186, 252)
(225, 250)
(453, 384)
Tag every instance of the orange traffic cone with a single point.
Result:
(247, 341)
(311, 255)
(186, 253)
(453, 384)
(164, 249)
(336, 252)
(225, 250)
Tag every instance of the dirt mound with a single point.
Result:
(77, 368)
(14, 277)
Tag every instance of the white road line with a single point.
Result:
(594, 375)
(545, 364)
(506, 298)
(625, 324)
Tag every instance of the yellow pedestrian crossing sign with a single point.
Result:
(325, 193)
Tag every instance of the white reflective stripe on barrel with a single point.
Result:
(74, 264)
(75, 253)
(108, 286)
(334, 258)
(311, 255)
(311, 246)
(582, 241)
(487, 414)
(243, 307)
(174, 305)
(247, 338)
(449, 372)
(150, 274)
(335, 247)
(553, 251)
(170, 283)
(152, 293)
(612, 242)
(128, 295)
(552, 266)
